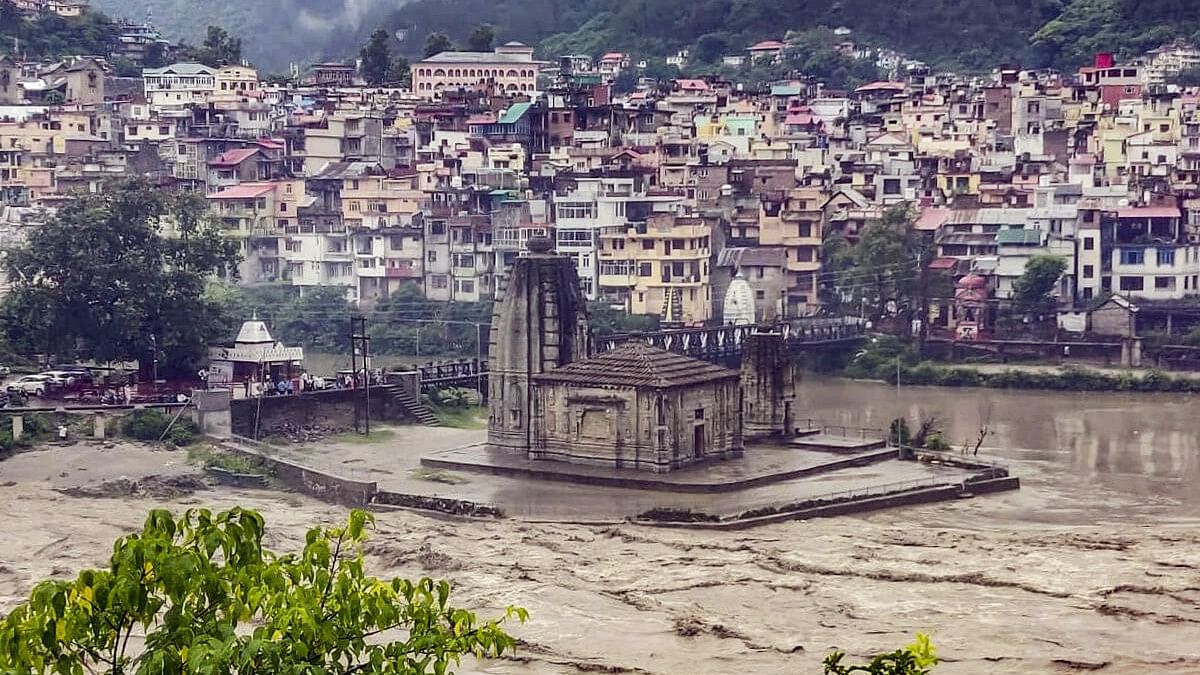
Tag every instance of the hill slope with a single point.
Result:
(971, 34)
(274, 32)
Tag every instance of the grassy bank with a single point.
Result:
(466, 417)
(1066, 378)
(878, 362)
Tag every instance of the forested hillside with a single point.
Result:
(274, 33)
(965, 34)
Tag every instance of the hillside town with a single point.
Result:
(662, 196)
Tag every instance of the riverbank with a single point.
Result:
(1063, 378)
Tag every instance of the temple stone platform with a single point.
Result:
(836, 443)
(760, 465)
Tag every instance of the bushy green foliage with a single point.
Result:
(208, 597)
(149, 424)
(451, 397)
(915, 659)
(1069, 378)
(49, 35)
(102, 280)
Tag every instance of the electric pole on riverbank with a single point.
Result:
(360, 343)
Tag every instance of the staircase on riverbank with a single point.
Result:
(414, 408)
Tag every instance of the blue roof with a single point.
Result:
(514, 113)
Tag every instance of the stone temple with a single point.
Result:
(633, 407)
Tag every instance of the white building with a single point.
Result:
(596, 205)
(179, 84)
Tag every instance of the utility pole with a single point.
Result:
(359, 340)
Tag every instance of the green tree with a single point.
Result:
(376, 58)
(881, 272)
(481, 38)
(1033, 290)
(204, 596)
(155, 56)
(710, 48)
(101, 280)
(10, 16)
(218, 49)
(399, 72)
(436, 43)
(625, 82)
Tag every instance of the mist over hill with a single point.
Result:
(960, 34)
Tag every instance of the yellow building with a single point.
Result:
(660, 267)
(377, 202)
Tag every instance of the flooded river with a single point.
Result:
(1083, 455)
(1094, 565)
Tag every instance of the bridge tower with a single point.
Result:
(768, 385)
(540, 323)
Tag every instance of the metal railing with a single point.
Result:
(853, 432)
(859, 493)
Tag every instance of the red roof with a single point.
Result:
(767, 45)
(932, 218)
(1148, 212)
(692, 85)
(798, 119)
(233, 157)
(943, 264)
(270, 144)
(481, 119)
(613, 56)
(244, 191)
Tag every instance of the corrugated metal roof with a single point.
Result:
(515, 112)
(1014, 237)
(637, 364)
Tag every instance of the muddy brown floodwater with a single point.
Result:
(1093, 566)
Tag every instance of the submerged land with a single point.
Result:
(1093, 565)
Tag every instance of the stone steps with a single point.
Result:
(413, 407)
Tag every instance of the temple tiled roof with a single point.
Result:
(637, 364)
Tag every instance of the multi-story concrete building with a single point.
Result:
(179, 85)
(511, 68)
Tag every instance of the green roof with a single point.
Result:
(1019, 237)
(515, 112)
(786, 90)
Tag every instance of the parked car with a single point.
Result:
(70, 379)
(5, 371)
(32, 385)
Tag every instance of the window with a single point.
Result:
(466, 286)
(1089, 244)
(1133, 256)
(1166, 257)
(355, 206)
(645, 270)
(805, 229)
(647, 244)
(437, 227)
(577, 210)
(437, 280)
(1132, 284)
(431, 256)
(1164, 283)
(1089, 271)
(760, 295)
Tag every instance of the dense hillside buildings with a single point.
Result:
(661, 197)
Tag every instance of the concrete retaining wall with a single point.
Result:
(564, 473)
(313, 483)
(334, 410)
(854, 506)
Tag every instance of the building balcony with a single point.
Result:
(402, 273)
